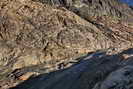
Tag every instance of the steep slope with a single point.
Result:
(91, 9)
(38, 38)
(96, 71)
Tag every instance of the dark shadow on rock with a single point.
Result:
(96, 71)
(129, 51)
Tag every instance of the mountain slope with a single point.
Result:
(39, 37)
(90, 9)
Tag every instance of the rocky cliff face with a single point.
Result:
(39, 36)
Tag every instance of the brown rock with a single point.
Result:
(26, 76)
(34, 33)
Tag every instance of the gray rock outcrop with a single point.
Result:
(98, 71)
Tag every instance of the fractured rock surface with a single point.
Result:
(41, 36)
